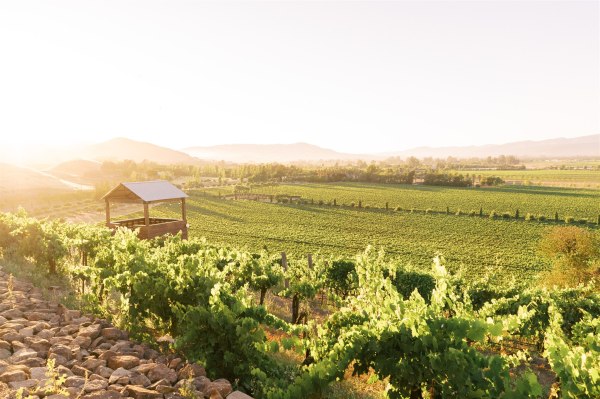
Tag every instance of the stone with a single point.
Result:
(26, 332)
(112, 333)
(40, 345)
(5, 345)
(80, 371)
(238, 395)
(150, 354)
(11, 336)
(103, 395)
(106, 355)
(145, 368)
(92, 331)
(23, 384)
(12, 314)
(13, 375)
(92, 363)
(32, 362)
(5, 354)
(201, 383)
(125, 361)
(221, 385)
(175, 363)
(37, 316)
(165, 389)
(62, 370)
(104, 371)
(95, 385)
(23, 354)
(38, 373)
(213, 394)
(191, 370)
(142, 393)
(97, 342)
(120, 376)
(74, 381)
(45, 334)
(162, 372)
(61, 350)
(82, 341)
(137, 378)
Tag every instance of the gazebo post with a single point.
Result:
(107, 212)
(183, 215)
(146, 214)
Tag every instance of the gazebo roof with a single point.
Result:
(146, 191)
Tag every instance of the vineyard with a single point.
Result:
(546, 201)
(421, 333)
(414, 236)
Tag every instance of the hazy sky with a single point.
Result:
(353, 76)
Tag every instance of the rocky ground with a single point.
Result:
(91, 358)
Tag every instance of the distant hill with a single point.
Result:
(81, 171)
(263, 153)
(19, 180)
(584, 146)
(119, 149)
(77, 167)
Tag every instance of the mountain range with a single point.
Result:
(119, 149)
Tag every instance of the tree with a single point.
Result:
(575, 253)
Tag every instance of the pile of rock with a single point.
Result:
(48, 351)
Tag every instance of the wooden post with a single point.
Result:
(146, 214)
(183, 215)
(310, 262)
(107, 212)
(286, 282)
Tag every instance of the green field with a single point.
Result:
(578, 203)
(566, 178)
(415, 238)
(505, 245)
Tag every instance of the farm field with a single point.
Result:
(578, 203)
(495, 245)
(561, 178)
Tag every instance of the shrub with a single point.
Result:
(408, 280)
(321, 202)
(541, 218)
(529, 217)
(493, 215)
(569, 219)
(397, 209)
(352, 204)
(506, 215)
(429, 210)
(458, 212)
(472, 212)
(583, 221)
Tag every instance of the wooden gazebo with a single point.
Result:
(146, 193)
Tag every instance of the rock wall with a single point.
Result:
(92, 359)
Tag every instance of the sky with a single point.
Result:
(352, 76)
